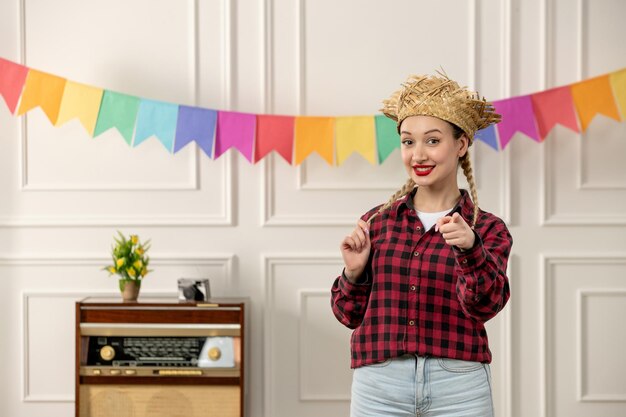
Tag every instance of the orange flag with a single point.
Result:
(314, 134)
(594, 96)
(554, 106)
(618, 82)
(274, 133)
(44, 90)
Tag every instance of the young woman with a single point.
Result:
(426, 270)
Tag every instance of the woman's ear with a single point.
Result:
(464, 144)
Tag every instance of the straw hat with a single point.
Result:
(439, 96)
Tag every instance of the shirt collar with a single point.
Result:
(464, 206)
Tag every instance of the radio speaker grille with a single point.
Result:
(159, 401)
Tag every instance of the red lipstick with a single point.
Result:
(423, 170)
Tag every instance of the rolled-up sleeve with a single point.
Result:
(482, 285)
(349, 300)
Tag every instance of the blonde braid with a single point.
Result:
(466, 164)
(406, 188)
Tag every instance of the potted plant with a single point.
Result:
(130, 263)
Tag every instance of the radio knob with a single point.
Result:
(215, 353)
(107, 353)
(115, 372)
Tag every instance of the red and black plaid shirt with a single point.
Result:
(422, 295)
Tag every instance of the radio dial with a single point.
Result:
(107, 353)
(215, 353)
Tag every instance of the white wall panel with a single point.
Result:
(583, 369)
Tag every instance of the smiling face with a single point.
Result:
(430, 152)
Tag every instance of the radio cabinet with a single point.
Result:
(127, 362)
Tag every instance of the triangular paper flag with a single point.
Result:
(42, 90)
(355, 134)
(82, 101)
(517, 116)
(195, 124)
(156, 118)
(554, 106)
(274, 133)
(314, 134)
(235, 130)
(618, 82)
(12, 79)
(119, 111)
(488, 136)
(594, 96)
(387, 137)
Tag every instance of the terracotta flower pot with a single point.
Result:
(130, 290)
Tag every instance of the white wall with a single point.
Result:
(271, 231)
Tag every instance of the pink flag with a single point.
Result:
(12, 79)
(235, 130)
(517, 116)
(554, 106)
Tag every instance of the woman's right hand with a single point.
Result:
(355, 250)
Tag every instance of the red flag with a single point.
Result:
(274, 133)
(12, 80)
(554, 106)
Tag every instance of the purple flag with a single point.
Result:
(488, 136)
(195, 124)
(235, 130)
(517, 116)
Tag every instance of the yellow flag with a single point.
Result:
(82, 101)
(44, 90)
(314, 134)
(594, 96)
(618, 82)
(355, 134)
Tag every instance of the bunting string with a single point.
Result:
(294, 138)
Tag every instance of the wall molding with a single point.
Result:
(547, 261)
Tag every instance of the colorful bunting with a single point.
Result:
(594, 96)
(158, 119)
(294, 138)
(517, 116)
(42, 90)
(355, 134)
(488, 136)
(387, 137)
(81, 101)
(618, 82)
(314, 134)
(554, 106)
(274, 133)
(235, 130)
(195, 124)
(119, 111)
(12, 79)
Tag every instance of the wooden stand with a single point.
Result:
(110, 391)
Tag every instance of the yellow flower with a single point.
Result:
(112, 270)
(138, 264)
(132, 272)
(144, 272)
(134, 239)
(140, 251)
(120, 262)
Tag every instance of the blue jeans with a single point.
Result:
(413, 386)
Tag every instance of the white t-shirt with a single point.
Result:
(429, 219)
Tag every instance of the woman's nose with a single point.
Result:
(418, 153)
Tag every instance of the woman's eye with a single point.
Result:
(432, 141)
(407, 142)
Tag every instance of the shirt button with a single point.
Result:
(464, 261)
(413, 287)
(416, 253)
(411, 323)
(418, 229)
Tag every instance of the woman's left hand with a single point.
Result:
(456, 231)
